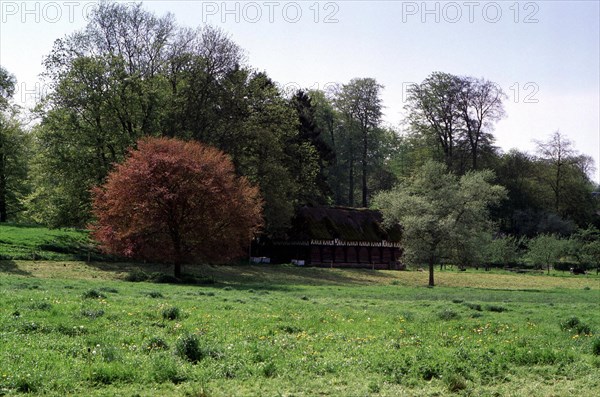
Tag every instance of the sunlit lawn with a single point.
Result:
(71, 328)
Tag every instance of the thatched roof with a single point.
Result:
(342, 223)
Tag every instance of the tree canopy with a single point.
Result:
(176, 202)
(440, 212)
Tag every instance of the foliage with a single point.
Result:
(15, 150)
(502, 251)
(188, 347)
(440, 212)
(174, 201)
(146, 76)
(566, 176)
(359, 103)
(545, 250)
(456, 114)
(585, 246)
(171, 313)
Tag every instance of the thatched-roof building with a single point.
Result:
(338, 237)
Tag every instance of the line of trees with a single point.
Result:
(131, 74)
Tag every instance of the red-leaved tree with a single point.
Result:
(176, 202)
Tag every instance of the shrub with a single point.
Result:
(163, 278)
(448, 314)
(156, 343)
(573, 324)
(289, 329)
(171, 313)
(93, 294)
(40, 306)
(583, 329)
(596, 347)
(495, 308)
(155, 294)
(473, 306)
(570, 323)
(137, 276)
(188, 348)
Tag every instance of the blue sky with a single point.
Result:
(544, 54)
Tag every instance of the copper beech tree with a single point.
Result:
(176, 202)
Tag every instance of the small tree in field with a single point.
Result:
(176, 202)
(545, 250)
(441, 213)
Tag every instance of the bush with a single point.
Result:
(155, 294)
(497, 309)
(40, 306)
(137, 276)
(570, 323)
(93, 294)
(596, 347)
(448, 314)
(156, 343)
(163, 278)
(171, 313)
(573, 324)
(188, 348)
(473, 306)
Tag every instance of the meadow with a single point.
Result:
(77, 328)
(35, 242)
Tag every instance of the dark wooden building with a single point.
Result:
(338, 237)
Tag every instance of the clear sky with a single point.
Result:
(544, 54)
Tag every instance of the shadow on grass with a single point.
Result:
(10, 267)
(244, 276)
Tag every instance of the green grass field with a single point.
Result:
(72, 328)
(30, 243)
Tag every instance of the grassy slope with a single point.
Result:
(302, 332)
(29, 242)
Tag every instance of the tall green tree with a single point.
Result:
(457, 115)
(312, 137)
(130, 74)
(14, 153)
(440, 211)
(434, 113)
(360, 104)
(107, 91)
(565, 175)
(480, 106)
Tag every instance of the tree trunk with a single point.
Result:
(3, 209)
(177, 270)
(351, 182)
(365, 192)
(431, 281)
